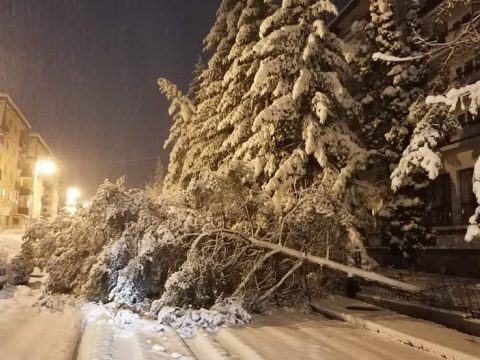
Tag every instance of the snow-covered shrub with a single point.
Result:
(224, 313)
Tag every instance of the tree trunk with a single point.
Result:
(351, 271)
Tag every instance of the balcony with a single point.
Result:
(23, 211)
(25, 191)
(26, 170)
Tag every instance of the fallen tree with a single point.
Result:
(217, 240)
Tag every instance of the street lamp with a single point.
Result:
(45, 167)
(73, 194)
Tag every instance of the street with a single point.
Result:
(28, 332)
(311, 336)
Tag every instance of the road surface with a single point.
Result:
(311, 337)
(29, 333)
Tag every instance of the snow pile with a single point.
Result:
(186, 321)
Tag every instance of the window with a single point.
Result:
(468, 200)
(468, 119)
(441, 198)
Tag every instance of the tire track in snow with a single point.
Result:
(103, 339)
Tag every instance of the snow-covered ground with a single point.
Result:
(10, 243)
(28, 331)
(124, 336)
(68, 329)
(310, 337)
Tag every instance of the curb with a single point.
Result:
(449, 318)
(395, 335)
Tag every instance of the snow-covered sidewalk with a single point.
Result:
(29, 332)
(430, 337)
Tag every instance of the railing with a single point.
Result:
(459, 297)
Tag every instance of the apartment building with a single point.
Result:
(39, 182)
(29, 173)
(13, 128)
(453, 201)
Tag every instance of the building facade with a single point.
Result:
(451, 195)
(29, 173)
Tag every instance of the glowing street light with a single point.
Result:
(73, 194)
(45, 167)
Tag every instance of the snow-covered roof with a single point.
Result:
(17, 110)
(42, 141)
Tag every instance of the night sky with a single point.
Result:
(84, 74)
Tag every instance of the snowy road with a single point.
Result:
(311, 337)
(29, 333)
(124, 336)
(26, 332)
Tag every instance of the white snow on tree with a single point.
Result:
(473, 231)
(263, 202)
(389, 88)
(302, 110)
(465, 98)
(418, 166)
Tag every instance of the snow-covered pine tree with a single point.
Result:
(194, 133)
(303, 111)
(393, 117)
(237, 110)
(182, 132)
(195, 84)
(389, 88)
(378, 34)
(419, 165)
(204, 152)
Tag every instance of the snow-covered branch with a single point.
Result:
(473, 231)
(458, 96)
(390, 58)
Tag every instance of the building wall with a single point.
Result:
(12, 126)
(25, 194)
(44, 189)
(463, 150)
